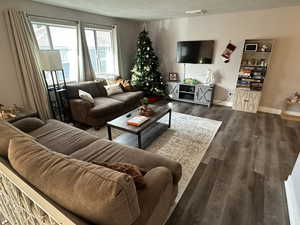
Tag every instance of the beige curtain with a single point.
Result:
(25, 51)
(86, 72)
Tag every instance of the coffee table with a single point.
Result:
(120, 123)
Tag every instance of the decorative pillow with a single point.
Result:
(29, 124)
(111, 81)
(7, 132)
(86, 96)
(135, 172)
(113, 89)
(126, 85)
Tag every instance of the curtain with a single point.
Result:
(86, 71)
(26, 56)
(118, 54)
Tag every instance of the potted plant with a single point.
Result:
(145, 110)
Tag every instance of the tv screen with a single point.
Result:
(197, 52)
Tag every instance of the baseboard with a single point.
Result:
(292, 113)
(260, 109)
(224, 103)
(269, 110)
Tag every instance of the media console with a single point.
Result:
(199, 94)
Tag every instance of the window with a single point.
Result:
(101, 47)
(64, 39)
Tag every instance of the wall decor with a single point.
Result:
(251, 47)
(228, 51)
(173, 76)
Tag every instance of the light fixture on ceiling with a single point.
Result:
(198, 12)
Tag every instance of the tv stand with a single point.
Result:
(198, 94)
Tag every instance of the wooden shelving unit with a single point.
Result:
(252, 74)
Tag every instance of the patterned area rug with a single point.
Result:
(186, 142)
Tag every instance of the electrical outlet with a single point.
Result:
(230, 94)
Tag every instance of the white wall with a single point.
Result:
(9, 90)
(281, 24)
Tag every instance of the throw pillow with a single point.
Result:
(113, 89)
(7, 132)
(126, 85)
(135, 172)
(86, 96)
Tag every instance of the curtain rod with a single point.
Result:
(69, 20)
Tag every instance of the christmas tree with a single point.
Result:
(145, 75)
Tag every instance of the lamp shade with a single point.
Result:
(50, 60)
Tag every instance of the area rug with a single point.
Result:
(185, 142)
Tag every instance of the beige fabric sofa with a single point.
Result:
(49, 167)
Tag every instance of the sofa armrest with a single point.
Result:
(79, 108)
(158, 194)
(29, 124)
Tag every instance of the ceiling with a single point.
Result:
(163, 9)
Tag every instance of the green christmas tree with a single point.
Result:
(145, 73)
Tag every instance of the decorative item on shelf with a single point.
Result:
(291, 108)
(209, 79)
(191, 81)
(264, 48)
(252, 62)
(228, 51)
(294, 100)
(173, 76)
(251, 47)
(145, 110)
(262, 62)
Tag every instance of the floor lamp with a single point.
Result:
(51, 65)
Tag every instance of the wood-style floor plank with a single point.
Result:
(255, 153)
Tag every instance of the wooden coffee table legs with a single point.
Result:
(139, 140)
(170, 119)
(109, 133)
(138, 134)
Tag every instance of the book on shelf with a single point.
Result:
(137, 120)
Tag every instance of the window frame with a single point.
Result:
(61, 24)
(114, 46)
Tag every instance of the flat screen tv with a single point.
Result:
(196, 52)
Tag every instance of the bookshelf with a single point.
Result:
(253, 70)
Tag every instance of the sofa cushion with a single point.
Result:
(108, 151)
(7, 132)
(129, 98)
(105, 106)
(91, 87)
(61, 137)
(95, 193)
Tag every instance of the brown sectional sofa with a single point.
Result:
(105, 108)
(56, 159)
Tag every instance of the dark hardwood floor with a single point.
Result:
(240, 179)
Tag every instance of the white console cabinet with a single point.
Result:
(199, 94)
